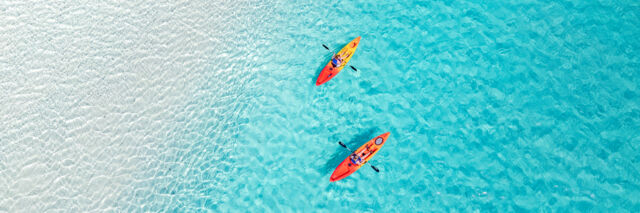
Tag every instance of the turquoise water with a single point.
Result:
(502, 106)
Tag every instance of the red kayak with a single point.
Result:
(359, 157)
(329, 71)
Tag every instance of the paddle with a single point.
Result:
(345, 146)
(325, 46)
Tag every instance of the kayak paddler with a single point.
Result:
(337, 60)
(355, 159)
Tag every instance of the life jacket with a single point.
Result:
(336, 62)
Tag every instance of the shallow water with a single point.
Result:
(163, 106)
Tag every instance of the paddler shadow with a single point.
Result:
(341, 153)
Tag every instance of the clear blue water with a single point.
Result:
(492, 106)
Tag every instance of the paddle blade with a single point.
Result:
(325, 46)
(341, 144)
(374, 168)
(354, 69)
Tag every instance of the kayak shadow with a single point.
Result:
(341, 153)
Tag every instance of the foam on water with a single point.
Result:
(109, 105)
(162, 106)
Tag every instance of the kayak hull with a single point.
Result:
(347, 167)
(328, 72)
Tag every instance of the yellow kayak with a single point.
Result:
(345, 54)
